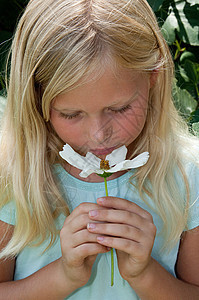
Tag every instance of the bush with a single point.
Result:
(178, 20)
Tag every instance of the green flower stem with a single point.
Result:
(106, 188)
(112, 257)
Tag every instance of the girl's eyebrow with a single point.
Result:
(131, 99)
(64, 109)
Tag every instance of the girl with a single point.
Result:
(95, 75)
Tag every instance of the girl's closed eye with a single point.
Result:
(77, 114)
(121, 110)
(69, 116)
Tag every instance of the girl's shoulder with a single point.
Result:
(190, 164)
(8, 213)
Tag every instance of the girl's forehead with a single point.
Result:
(107, 75)
(109, 89)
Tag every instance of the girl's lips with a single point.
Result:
(104, 151)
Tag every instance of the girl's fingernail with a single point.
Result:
(92, 213)
(100, 200)
(91, 226)
(100, 238)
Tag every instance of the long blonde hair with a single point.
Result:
(55, 45)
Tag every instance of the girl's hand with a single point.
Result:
(129, 229)
(79, 246)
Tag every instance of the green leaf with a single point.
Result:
(155, 4)
(183, 74)
(183, 21)
(3, 93)
(195, 128)
(168, 29)
(195, 117)
(193, 2)
(191, 71)
(187, 55)
(183, 101)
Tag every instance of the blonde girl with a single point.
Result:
(97, 75)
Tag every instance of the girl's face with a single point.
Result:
(102, 114)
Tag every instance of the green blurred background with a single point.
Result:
(179, 22)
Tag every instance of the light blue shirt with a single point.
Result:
(31, 259)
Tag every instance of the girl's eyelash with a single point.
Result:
(69, 117)
(122, 109)
(75, 115)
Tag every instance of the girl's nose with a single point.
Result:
(100, 130)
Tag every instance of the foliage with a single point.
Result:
(178, 20)
(179, 24)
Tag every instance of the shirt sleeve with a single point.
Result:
(8, 213)
(193, 214)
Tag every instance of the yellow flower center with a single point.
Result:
(104, 164)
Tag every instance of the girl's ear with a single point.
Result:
(153, 77)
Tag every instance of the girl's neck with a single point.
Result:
(91, 178)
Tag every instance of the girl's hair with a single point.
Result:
(57, 43)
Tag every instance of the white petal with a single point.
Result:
(93, 160)
(72, 157)
(136, 162)
(117, 156)
(86, 172)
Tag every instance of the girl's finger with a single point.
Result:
(85, 250)
(78, 219)
(123, 204)
(130, 247)
(78, 223)
(117, 230)
(119, 217)
(83, 237)
(83, 208)
(77, 255)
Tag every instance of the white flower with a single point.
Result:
(91, 163)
